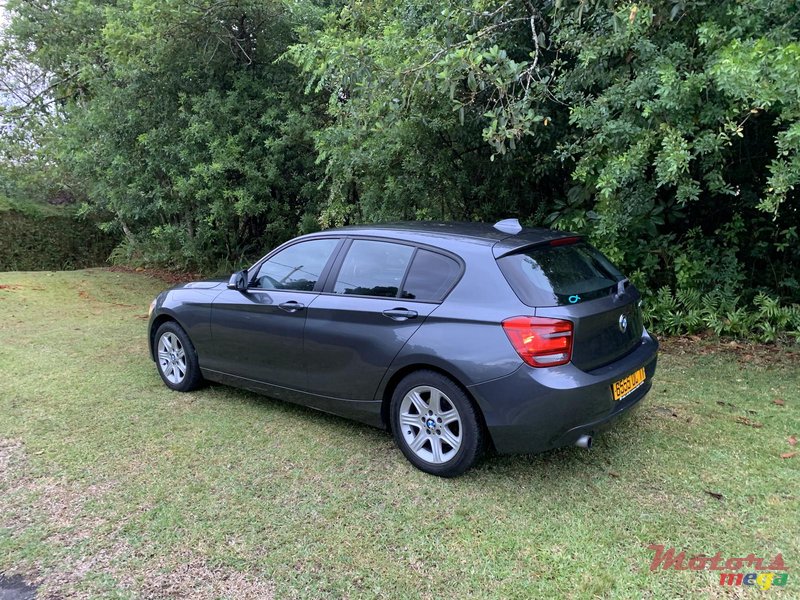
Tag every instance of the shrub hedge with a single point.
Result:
(36, 238)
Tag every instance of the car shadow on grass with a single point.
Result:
(552, 464)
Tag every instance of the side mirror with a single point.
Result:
(238, 281)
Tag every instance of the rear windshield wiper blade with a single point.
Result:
(621, 285)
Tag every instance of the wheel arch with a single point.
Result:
(403, 372)
(158, 321)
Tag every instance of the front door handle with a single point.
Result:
(399, 314)
(291, 306)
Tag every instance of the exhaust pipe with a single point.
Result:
(585, 441)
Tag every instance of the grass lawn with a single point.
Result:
(113, 486)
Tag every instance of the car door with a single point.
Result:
(359, 323)
(258, 334)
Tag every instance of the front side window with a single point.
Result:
(297, 267)
(373, 269)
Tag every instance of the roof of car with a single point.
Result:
(448, 234)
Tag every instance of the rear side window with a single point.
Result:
(430, 277)
(558, 275)
(373, 269)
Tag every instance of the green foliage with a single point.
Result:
(689, 311)
(34, 238)
(180, 127)
(666, 131)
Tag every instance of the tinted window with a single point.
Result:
(298, 267)
(431, 276)
(373, 269)
(556, 275)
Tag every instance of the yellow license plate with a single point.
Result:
(623, 387)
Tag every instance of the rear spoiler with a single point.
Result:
(531, 238)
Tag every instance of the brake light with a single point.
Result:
(565, 240)
(540, 341)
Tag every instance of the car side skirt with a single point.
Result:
(368, 411)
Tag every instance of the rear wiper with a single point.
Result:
(621, 285)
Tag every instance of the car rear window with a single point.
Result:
(550, 275)
(430, 277)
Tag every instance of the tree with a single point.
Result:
(666, 131)
(179, 123)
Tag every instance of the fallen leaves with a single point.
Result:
(792, 440)
(171, 277)
(715, 495)
(749, 422)
(779, 402)
(746, 353)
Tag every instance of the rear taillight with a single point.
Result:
(540, 341)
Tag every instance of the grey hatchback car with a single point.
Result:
(454, 336)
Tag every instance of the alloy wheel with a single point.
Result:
(430, 424)
(172, 357)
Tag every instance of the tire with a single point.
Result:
(176, 358)
(435, 424)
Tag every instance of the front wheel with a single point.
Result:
(176, 358)
(435, 425)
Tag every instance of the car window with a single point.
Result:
(373, 269)
(297, 267)
(430, 277)
(562, 274)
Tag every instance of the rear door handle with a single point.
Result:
(400, 314)
(291, 306)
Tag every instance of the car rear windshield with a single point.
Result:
(551, 275)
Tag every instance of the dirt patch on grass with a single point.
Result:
(745, 353)
(85, 545)
(12, 456)
(7, 287)
(57, 508)
(83, 294)
(171, 277)
(194, 578)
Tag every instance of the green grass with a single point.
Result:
(113, 486)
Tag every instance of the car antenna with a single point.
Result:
(511, 226)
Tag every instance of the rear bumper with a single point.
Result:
(532, 410)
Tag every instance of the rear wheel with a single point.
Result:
(435, 424)
(176, 358)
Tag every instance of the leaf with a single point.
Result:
(715, 495)
(779, 402)
(749, 422)
(788, 454)
(792, 440)
(471, 83)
